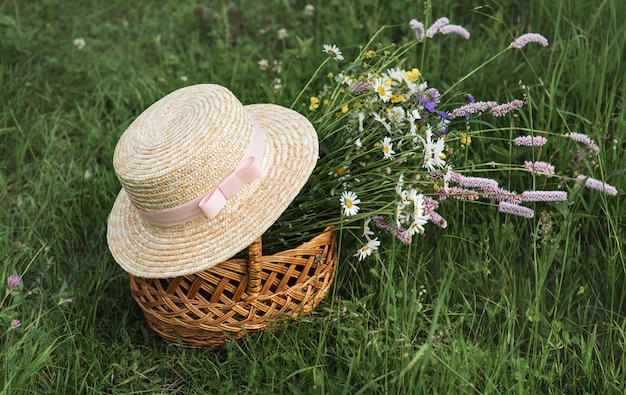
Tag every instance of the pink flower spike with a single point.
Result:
(503, 109)
(418, 28)
(16, 324)
(434, 28)
(530, 141)
(13, 281)
(502, 195)
(457, 193)
(583, 138)
(598, 185)
(455, 29)
(479, 106)
(539, 167)
(477, 182)
(438, 220)
(544, 196)
(516, 209)
(528, 38)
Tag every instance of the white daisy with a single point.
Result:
(433, 152)
(387, 148)
(367, 231)
(333, 51)
(349, 201)
(383, 89)
(367, 249)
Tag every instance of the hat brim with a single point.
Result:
(144, 250)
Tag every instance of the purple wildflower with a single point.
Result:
(13, 281)
(527, 38)
(502, 195)
(16, 324)
(401, 234)
(455, 29)
(418, 28)
(445, 115)
(473, 107)
(503, 109)
(583, 138)
(516, 209)
(539, 167)
(429, 105)
(598, 185)
(434, 28)
(544, 196)
(470, 99)
(434, 94)
(530, 141)
(360, 87)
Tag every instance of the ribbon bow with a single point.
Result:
(211, 202)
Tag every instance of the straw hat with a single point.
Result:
(170, 218)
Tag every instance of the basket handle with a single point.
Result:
(255, 258)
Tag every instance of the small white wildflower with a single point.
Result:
(282, 33)
(79, 43)
(333, 51)
(349, 203)
(309, 9)
(387, 148)
(183, 78)
(367, 249)
(263, 64)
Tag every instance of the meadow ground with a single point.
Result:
(491, 304)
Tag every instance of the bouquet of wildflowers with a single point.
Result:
(391, 145)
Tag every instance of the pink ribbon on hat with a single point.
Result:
(210, 203)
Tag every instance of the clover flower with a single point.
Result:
(16, 323)
(13, 281)
(79, 43)
(309, 9)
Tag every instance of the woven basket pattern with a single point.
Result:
(238, 296)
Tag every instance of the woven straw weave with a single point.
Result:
(238, 296)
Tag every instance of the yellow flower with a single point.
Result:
(315, 102)
(330, 75)
(364, 65)
(345, 108)
(465, 139)
(412, 75)
(398, 99)
(326, 101)
(357, 105)
(388, 82)
(370, 54)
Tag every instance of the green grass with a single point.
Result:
(492, 304)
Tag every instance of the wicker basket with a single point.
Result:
(239, 296)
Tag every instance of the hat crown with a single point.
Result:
(182, 146)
